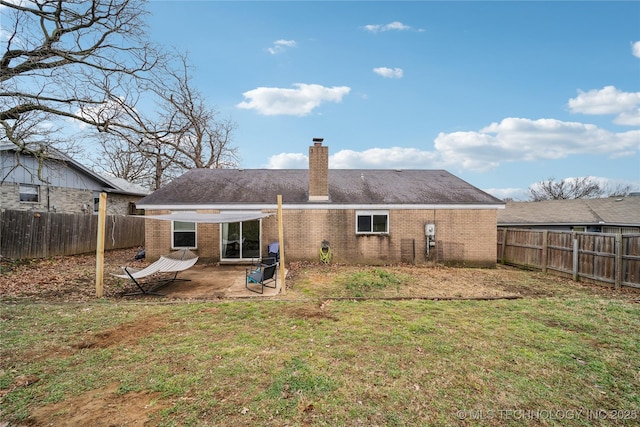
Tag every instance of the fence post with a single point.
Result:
(543, 255)
(503, 250)
(576, 256)
(618, 252)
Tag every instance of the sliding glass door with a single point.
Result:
(240, 240)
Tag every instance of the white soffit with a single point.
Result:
(209, 218)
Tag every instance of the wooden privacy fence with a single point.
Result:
(613, 259)
(44, 234)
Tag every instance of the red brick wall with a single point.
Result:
(462, 236)
(465, 236)
(318, 172)
(158, 238)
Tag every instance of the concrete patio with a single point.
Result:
(208, 281)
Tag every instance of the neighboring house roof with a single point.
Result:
(111, 184)
(126, 187)
(620, 211)
(200, 188)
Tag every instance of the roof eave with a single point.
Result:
(124, 193)
(566, 224)
(312, 206)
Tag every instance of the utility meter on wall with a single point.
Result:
(430, 230)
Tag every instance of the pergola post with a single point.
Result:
(281, 239)
(102, 211)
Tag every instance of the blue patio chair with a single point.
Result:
(263, 275)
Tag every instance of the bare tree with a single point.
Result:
(70, 59)
(122, 161)
(90, 61)
(617, 190)
(577, 188)
(198, 138)
(183, 133)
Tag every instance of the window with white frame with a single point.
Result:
(183, 235)
(372, 222)
(29, 193)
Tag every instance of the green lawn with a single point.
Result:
(552, 360)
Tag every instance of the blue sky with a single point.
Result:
(502, 94)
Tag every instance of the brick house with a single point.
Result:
(66, 185)
(364, 216)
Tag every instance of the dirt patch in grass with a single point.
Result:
(113, 405)
(319, 312)
(103, 407)
(127, 334)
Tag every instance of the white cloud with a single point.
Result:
(523, 194)
(396, 26)
(635, 49)
(384, 158)
(288, 161)
(613, 184)
(280, 46)
(516, 139)
(272, 101)
(608, 100)
(390, 73)
(511, 140)
(608, 185)
(519, 194)
(628, 118)
(109, 111)
(392, 26)
(374, 158)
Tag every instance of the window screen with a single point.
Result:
(29, 193)
(372, 222)
(184, 234)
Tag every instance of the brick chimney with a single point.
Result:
(318, 171)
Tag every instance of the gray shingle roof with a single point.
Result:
(126, 187)
(613, 210)
(346, 186)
